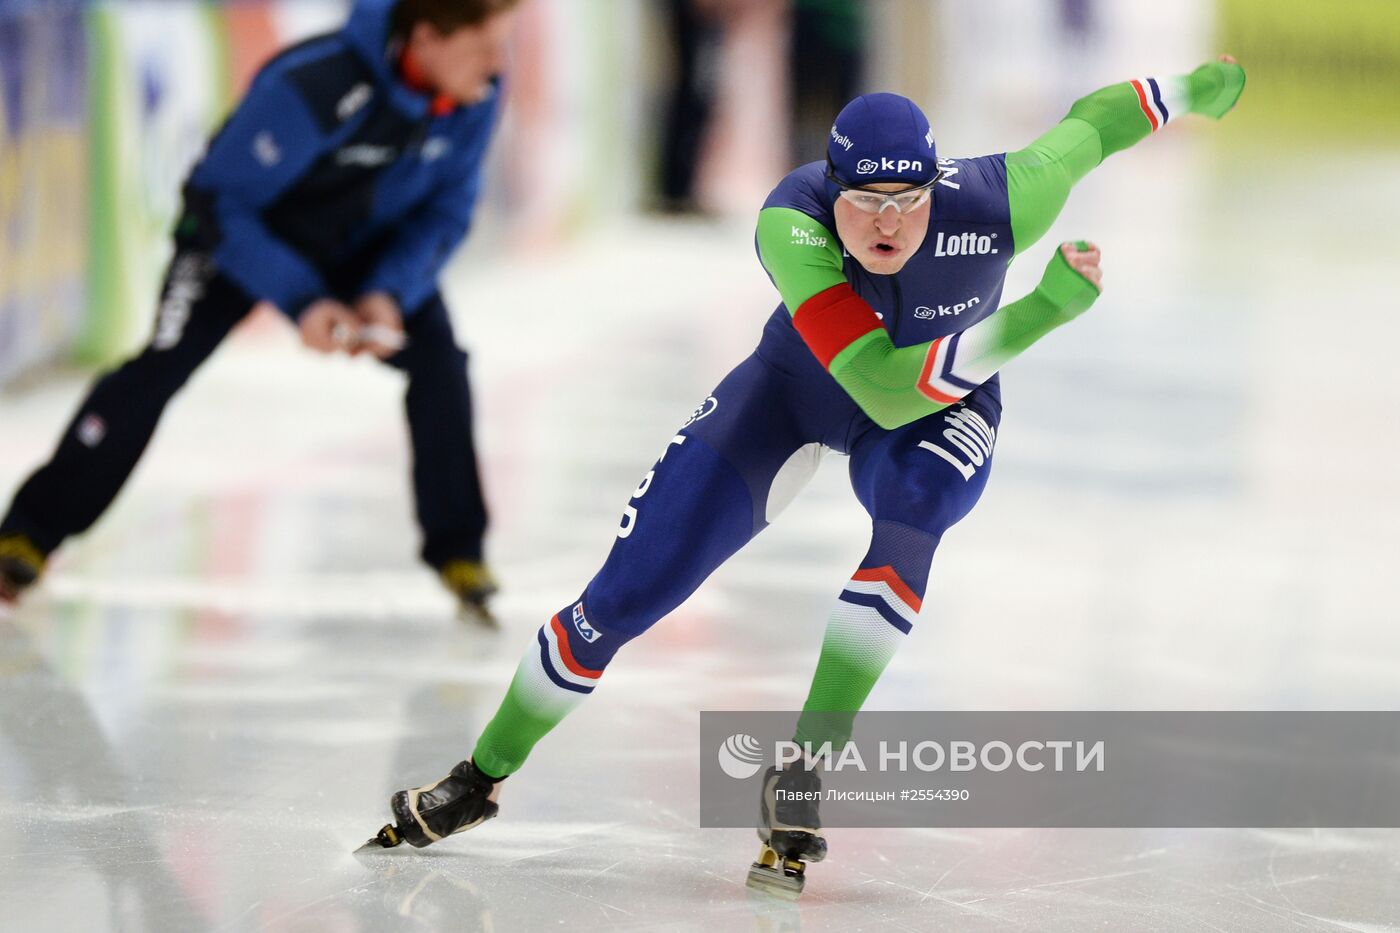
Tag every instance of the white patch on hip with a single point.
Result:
(791, 478)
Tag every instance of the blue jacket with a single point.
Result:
(333, 177)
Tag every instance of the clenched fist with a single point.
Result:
(1085, 262)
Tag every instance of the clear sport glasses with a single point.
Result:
(873, 202)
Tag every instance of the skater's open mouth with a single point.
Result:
(886, 248)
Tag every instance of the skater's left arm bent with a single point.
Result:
(896, 385)
(1040, 176)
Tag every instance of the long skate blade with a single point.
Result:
(387, 838)
(775, 881)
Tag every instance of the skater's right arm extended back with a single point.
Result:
(1111, 119)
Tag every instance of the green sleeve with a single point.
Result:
(802, 256)
(884, 380)
(1039, 177)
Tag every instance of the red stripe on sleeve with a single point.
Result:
(942, 398)
(831, 320)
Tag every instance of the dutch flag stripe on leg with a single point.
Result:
(559, 662)
(881, 589)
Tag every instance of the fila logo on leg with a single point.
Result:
(586, 631)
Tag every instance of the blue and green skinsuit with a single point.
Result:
(897, 371)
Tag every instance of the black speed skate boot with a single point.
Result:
(790, 830)
(473, 584)
(21, 564)
(424, 815)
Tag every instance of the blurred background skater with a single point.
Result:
(336, 191)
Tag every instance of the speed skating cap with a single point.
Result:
(881, 138)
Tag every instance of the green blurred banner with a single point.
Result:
(1319, 73)
(158, 86)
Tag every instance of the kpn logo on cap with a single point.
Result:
(740, 756)
(882, 138)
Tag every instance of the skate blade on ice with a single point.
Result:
(387, 838)
(390, 836)
(776, 875)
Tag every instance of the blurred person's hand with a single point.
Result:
(328, 326)
(381, 320)
(1228, 59)
(1085, 262)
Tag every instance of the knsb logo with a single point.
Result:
(870, 166)
(740, 756)
(588, 632)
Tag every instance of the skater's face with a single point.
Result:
(461, 63)
(882, 243)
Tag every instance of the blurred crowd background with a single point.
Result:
(681, 107)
